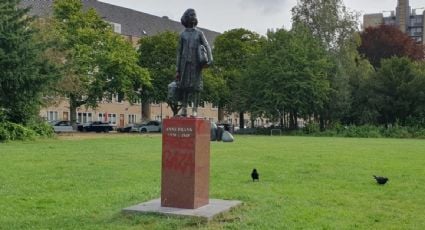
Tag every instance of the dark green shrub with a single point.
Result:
(365, 131)
(10, 131)
(311, 128)
(42, 129)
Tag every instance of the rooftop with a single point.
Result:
(133, 23)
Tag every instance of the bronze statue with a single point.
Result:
(193, 54)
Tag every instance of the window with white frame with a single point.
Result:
(84, 117)
(132, 118)
(116, 27)
(52, 115)
(108, 117)
(214, 106)
(112, 118)
(101, 117)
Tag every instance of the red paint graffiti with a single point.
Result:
(179, 161)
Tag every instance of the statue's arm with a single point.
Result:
(207, 46)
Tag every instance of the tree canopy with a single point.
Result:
(386, 41)
(232, 51)
(398, 91)
(289, 75)
(157, 53)
(24, 73)
(98, 62)
(328, 20)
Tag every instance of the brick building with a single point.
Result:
(408, 20)
(133, 25)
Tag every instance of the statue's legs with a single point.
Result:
(184, 104)
(196, 98)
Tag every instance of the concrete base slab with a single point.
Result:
(207, 212)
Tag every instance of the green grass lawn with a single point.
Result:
(306, 183)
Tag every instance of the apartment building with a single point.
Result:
(409, 20)
(133, 25)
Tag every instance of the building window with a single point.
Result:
(84, 117)
(116, 27)
(52, 115)
(214, 106)
(155, 103)
(112, 118)
(132, 118)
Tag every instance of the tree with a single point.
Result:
(158, 54)
(398, 91)
(289, 75)
(328, 20)
(24, 73)
(232, 50)
(97, 62)
(336, 27)
(386, 41)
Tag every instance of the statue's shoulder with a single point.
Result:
(199, 30)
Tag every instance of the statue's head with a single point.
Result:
(189, 19)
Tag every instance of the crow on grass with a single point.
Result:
(255, 176)
(380, 179)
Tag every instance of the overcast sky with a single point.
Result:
(256, 15)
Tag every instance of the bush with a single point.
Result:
(42, 129)
(311, 128)
(10, 131)
(364, 131)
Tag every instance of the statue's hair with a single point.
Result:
(185, 18)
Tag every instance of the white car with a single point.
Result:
(62, 127)
(136, 127)
(151, 126)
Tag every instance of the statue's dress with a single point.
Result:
(188, 64)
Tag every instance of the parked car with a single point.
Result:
(151, 126)
(96, 126)
(130, 128)
(62, 126)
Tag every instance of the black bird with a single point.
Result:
(255, 175)
(380, 179)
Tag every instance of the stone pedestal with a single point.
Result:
(185, 162)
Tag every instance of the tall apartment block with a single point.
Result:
(404, 17)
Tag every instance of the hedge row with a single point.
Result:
(11, 131)
(365, 131)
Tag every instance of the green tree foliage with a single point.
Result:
(97, 62)
(158, 54)
(24, 73)
(386, 41)
(232, 50)
(328, 20)
(336, 27)
(289, 75)
(398, 91)
(360, 111)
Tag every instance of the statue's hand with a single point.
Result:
(207, 65)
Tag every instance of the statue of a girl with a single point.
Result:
(194, 54)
